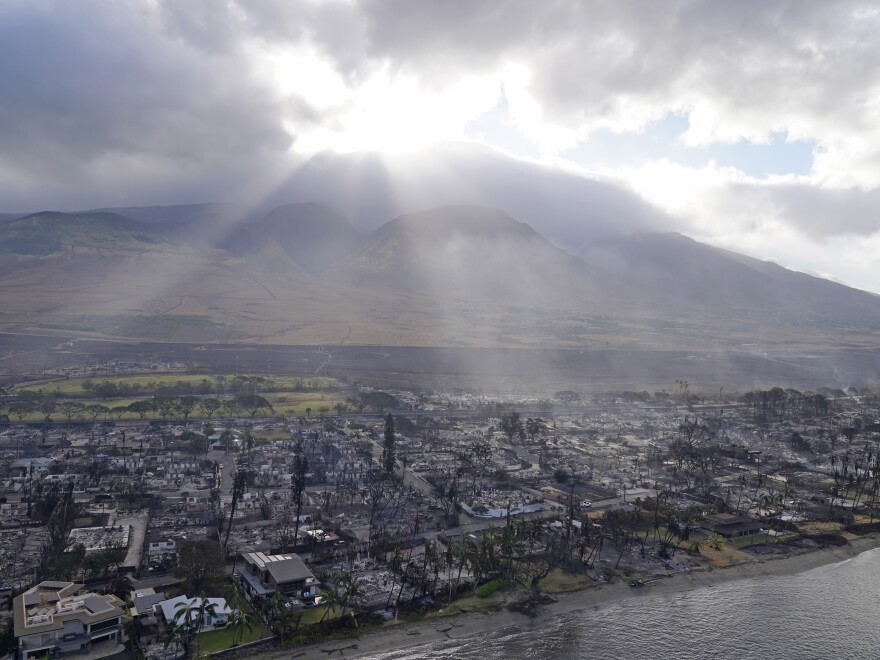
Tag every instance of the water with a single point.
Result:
(828, 612)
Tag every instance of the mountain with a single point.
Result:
(452, 276)
(6, 217)
(172, 214)
(681, 271)
(44, 233)
(312, 235)
(475, 253)
(371, 188)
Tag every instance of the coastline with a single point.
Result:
(399, 636)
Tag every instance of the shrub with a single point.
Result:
(486, 590)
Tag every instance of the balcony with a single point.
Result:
(69, 643)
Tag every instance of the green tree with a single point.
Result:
(96, 410)
(186, 404)
(47, 408)
(190, 616)
(349, 589)
(166, 405)
(716, 541)
(234, 593)
(241, 621)
(252, 403)
(330, 600)
(70, 409)
(22, 409)
(174, 633)
(209, 406)
(200, 567)
(141, 408)
(283, 620)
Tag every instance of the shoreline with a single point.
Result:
(395, 637)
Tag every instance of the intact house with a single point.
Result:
(54, 620)
(264, 575)
(174, 608)
(730, 526)
(144, 605)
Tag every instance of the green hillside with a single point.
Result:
(44, 233)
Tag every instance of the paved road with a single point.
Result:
(227, 473)
(480, 524)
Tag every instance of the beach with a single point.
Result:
(399, 635)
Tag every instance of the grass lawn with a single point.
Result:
(315, 614)
(559, 581)
(74, 386)
(219, 640)
(470, 604)
(295, 403)
(293, 395)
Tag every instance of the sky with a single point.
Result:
(751, 125)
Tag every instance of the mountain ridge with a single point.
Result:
(452, 275)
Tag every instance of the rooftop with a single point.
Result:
(46, 606)
(282, 568)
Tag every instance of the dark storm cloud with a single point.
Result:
(93, 88)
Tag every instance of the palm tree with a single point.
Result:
(283, 620)
(191, 616)
(234, 594)
(183, 620)
(205, 610)
(173, 633)
(330, 601)
(241, 620)
(349, 590)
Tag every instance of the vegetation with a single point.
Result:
(200, 567)
(489, 588)
(174, 396)
(228, 637)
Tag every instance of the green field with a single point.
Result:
(288, 395)
(315, 614)
(218, 383)
(220, 640)
(296, 403)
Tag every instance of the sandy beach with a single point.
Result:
(394, 636)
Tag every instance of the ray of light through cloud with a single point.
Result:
(749, 126)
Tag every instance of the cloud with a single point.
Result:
(787, 219)
(371, 188)
(159, 101)
(100, 96)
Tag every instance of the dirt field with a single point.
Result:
(494, 371)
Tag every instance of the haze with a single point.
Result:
(748, 125)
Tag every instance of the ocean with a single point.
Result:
(828, 612)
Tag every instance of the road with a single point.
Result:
(227, 472)
(480, 524)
